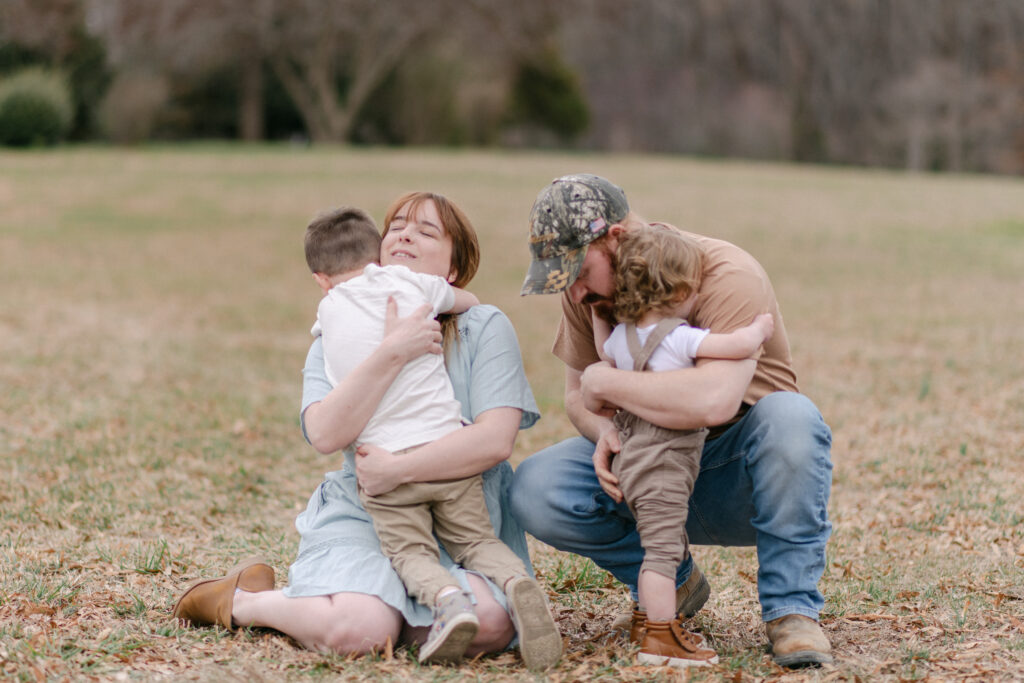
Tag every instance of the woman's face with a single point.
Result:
(417, 240)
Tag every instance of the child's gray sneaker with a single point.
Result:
(455, 626)
(540, 643)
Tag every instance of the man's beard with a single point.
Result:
(605, 310)
(604, 305)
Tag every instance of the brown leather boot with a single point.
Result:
(690, 597)
(798, 641)
(636, 626)
(209, 601)
(667, 643)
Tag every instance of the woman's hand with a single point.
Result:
(377, 470)
(607, 446)
(412, 336)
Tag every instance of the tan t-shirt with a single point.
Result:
(733, 290)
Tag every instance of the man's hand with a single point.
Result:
(377, 470)
(607, 446)
(589, 382)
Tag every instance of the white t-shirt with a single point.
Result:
(420, 405)
(678, 350)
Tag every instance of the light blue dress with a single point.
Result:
(339, 551)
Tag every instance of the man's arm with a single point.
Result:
(706, 395)
(598, 428)
(588, 423)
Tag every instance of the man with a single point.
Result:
(766, 468)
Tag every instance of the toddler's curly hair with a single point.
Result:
(658, 268)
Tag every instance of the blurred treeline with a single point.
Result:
(920, 84)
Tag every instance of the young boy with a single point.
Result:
(343, 250)
(658, 271)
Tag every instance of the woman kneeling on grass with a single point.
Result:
(343, 596)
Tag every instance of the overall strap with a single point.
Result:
(658, 334)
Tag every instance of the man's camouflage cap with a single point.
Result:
(569, 214)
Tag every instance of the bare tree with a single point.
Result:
(49, 26)
(317, 45)
(330, 55)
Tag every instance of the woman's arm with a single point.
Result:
(462, 453)
(334, 422)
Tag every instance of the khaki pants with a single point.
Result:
(406, 518)
(656, 469)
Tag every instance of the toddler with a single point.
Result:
(656, 277)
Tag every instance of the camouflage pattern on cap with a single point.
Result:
(569, 214)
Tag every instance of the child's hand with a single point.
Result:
(463, 301)
(375, 470)
(765, 324)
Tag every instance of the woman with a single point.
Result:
(343, 596)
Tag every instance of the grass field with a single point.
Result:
(154, 316)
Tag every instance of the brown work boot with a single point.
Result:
(209, 601)
(690, 597)
(667, 643)
(798, 641)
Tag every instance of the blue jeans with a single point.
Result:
(764, 482)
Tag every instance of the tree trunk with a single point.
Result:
(250, 107)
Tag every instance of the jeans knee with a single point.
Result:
(528, 496)
(793, 431)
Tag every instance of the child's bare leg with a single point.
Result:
(657, 596)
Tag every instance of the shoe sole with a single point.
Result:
(540, 643)
(693, 603)
(803, 658)
(452, 642)
(675, 662)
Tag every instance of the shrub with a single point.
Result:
(132, 106)
(35, 108)
(547, 93)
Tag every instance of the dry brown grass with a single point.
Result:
(154, 319)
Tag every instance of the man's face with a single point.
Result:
(595, 285)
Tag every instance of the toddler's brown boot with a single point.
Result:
(667, 643)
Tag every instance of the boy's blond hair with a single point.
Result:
(658, 268)
(342, 240)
